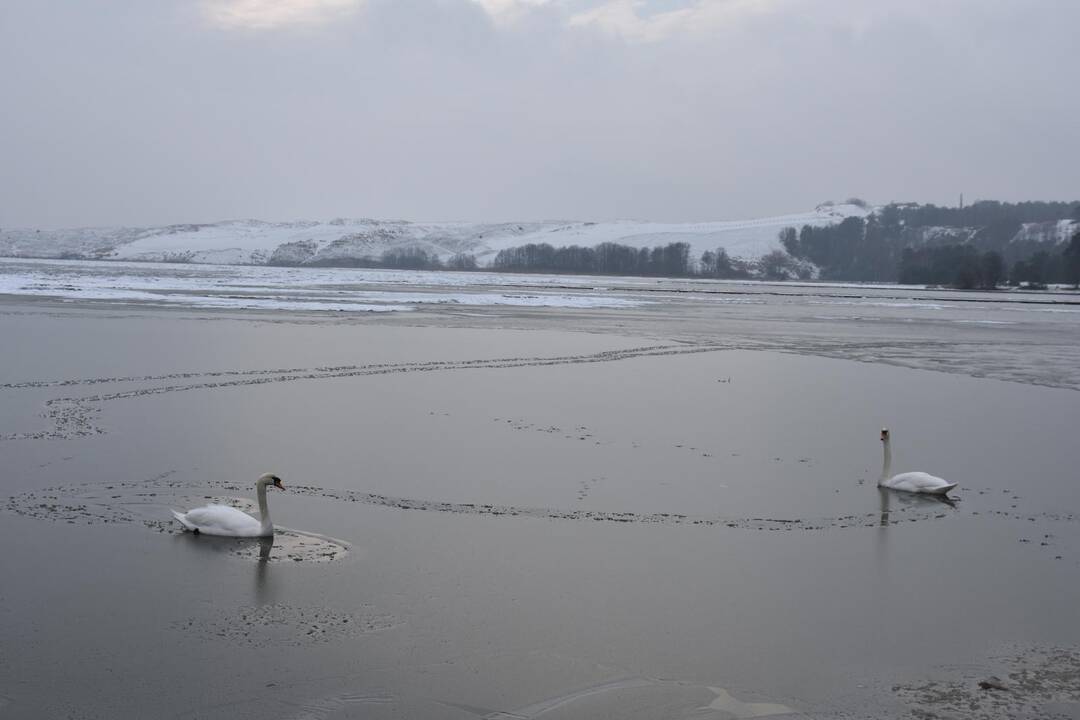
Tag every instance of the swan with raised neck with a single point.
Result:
(915, 482)
(230, 522)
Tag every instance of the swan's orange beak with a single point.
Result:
(278, 485)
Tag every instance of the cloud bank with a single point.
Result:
(126, 112)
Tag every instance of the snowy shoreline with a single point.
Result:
(308, 289)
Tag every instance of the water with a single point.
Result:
(659, 510)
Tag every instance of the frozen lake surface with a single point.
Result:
(631, 498)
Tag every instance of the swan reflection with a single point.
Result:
(236, 547)
(266, 544)
(259, 549)
(263, 594)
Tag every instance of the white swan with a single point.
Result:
(916, 482)
(230, 522)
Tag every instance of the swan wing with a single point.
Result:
(920, 482)
(221, 520)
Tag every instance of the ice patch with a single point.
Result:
(878, 303)
(271, 288)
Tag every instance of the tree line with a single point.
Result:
(404, 258)
(608, 258)
(935, 246)
(980, 213)
(671, 260)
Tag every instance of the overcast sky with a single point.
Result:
(162, 111)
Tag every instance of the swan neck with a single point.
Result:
(264, 510)
(886, 466)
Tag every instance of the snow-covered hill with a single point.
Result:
(340, 241)
(1054, 232)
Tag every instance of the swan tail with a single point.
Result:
(183, 520)
(944, 489)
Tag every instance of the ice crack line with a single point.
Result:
(96, 503)
(75, 416)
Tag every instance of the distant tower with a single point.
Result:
(961, 201)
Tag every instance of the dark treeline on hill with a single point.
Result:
(979, 246)
(980, 213)
(855, 249)
(408, 258)
(959, 265)
(963, 266)
(672, 260)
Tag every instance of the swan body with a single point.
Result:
(918, 482)
(230, 522)
(915, 482)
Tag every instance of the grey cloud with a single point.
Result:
(128, 113)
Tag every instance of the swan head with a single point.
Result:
(271, 479)
(884, 434)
